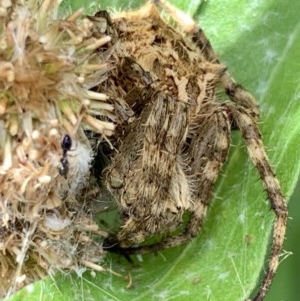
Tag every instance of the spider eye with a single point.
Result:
(66, 143)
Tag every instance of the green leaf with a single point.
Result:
(259, 41)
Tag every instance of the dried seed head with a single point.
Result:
(42, 100)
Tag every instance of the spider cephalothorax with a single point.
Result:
(176, 137)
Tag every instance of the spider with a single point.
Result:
(174, 132)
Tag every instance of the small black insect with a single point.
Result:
(66, 145)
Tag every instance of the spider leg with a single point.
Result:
(209, 143)
(252, 137)
(145, 200)
(235, 91)
(207, 153)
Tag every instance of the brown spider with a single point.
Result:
(174, 132)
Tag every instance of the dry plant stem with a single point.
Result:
(99, 268)
(29, 233)
(171, 154)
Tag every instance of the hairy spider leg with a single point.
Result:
(258, 156)
(204, 161)
(165, 130)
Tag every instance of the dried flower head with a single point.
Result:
(47, 68)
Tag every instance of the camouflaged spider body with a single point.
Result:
(175, 131)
